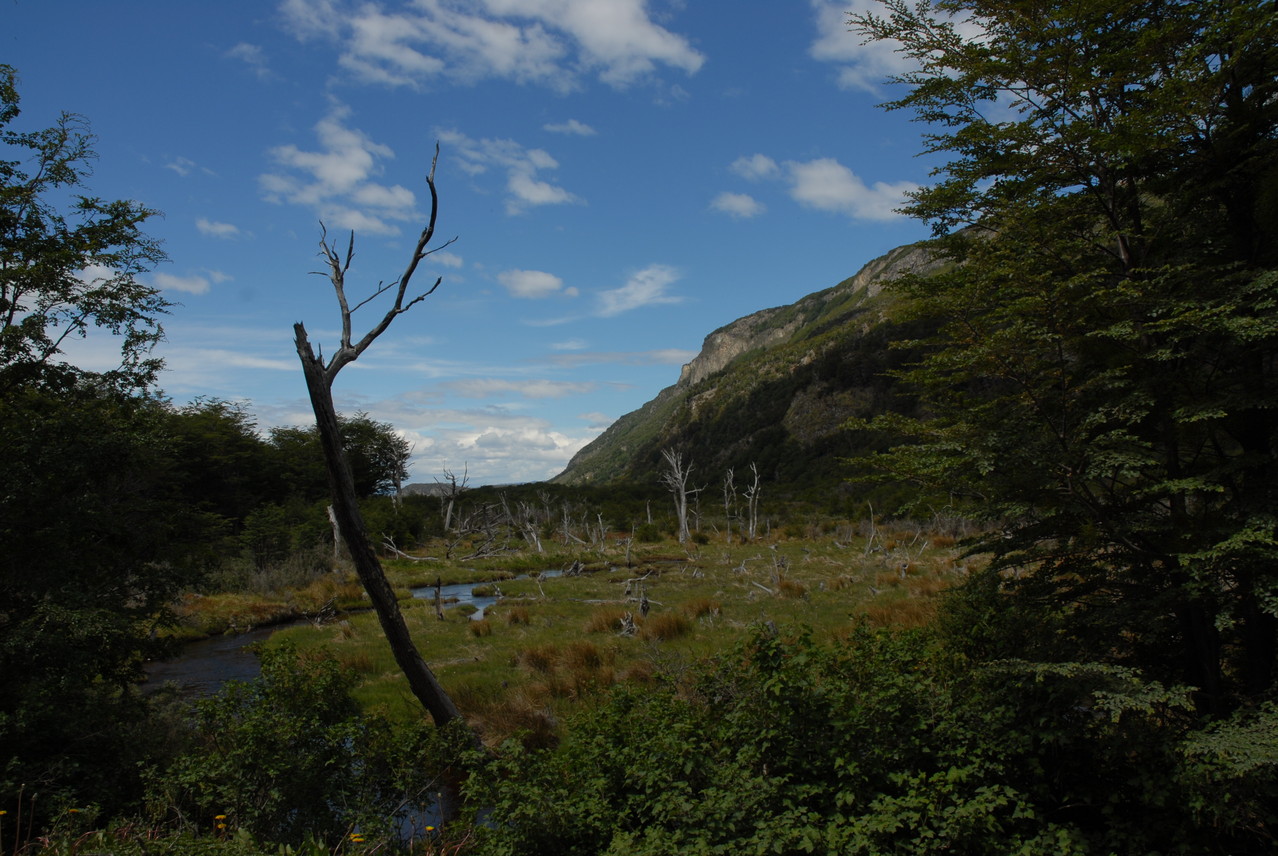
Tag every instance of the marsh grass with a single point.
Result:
(550, 644)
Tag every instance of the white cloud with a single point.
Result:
(214, 229)
(253, 56)
(827, 185)
(861, 66)
(738, 205)
(194, 284)
(660, 357)
(493, 444)
(524, 387)
(544, 42)
(525, 189)
(533, 284)
(755, 167)
(182, 166)
(447, 259)
(572, 126)
(645, 288)
(569, 345)
(337, 180)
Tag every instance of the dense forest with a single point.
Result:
(1065, 640)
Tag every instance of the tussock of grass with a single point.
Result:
(605, 619)
(664, 626)
(701, 607)
(791, 589)
(538, 658)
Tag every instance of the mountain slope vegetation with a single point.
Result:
(775, 388)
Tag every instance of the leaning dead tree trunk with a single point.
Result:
(320, 375)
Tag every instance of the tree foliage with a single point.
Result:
(1103, 382)
(290, 757)
(65, 270)
(884, 743)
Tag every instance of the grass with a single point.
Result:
(551, 643)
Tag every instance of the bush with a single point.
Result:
(649, 533)
(288, 757)
(887, 743)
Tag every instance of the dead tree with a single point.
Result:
(320, 374)
(451, 494)
(675, 478)
(752, 505)
(729, 500)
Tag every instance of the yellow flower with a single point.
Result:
(221, 826)
(357, 838)
(220, 817)
(73, 810)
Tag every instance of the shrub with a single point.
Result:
(289, 757)
(648, 533)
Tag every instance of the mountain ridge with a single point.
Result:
(773, 388)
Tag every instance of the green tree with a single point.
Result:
(92, 531)
(1103, 382)
(378, 456)
(63, 272)
(90, 522)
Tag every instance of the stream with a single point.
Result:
(206, 664)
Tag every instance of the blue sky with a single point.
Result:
(622, 178)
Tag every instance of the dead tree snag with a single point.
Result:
(320, 375)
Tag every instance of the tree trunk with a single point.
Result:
(421, 680)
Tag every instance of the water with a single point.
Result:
(453, 595)
(205, 665)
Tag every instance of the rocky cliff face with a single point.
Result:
(777, 385)
(770, 327)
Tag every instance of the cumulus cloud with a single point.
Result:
(552, 43)
(738, 205)
(495, 446)
(755, 167)
(534, 284)
(337, 180)
(524, 186)
(214, 229)
(572, 126)
(827, 185)
(645, 288)
(860, 66)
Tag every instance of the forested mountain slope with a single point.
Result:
(774, 388)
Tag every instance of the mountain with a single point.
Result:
(774, 388)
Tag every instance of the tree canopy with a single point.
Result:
(65, 269)
(1103, 384)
